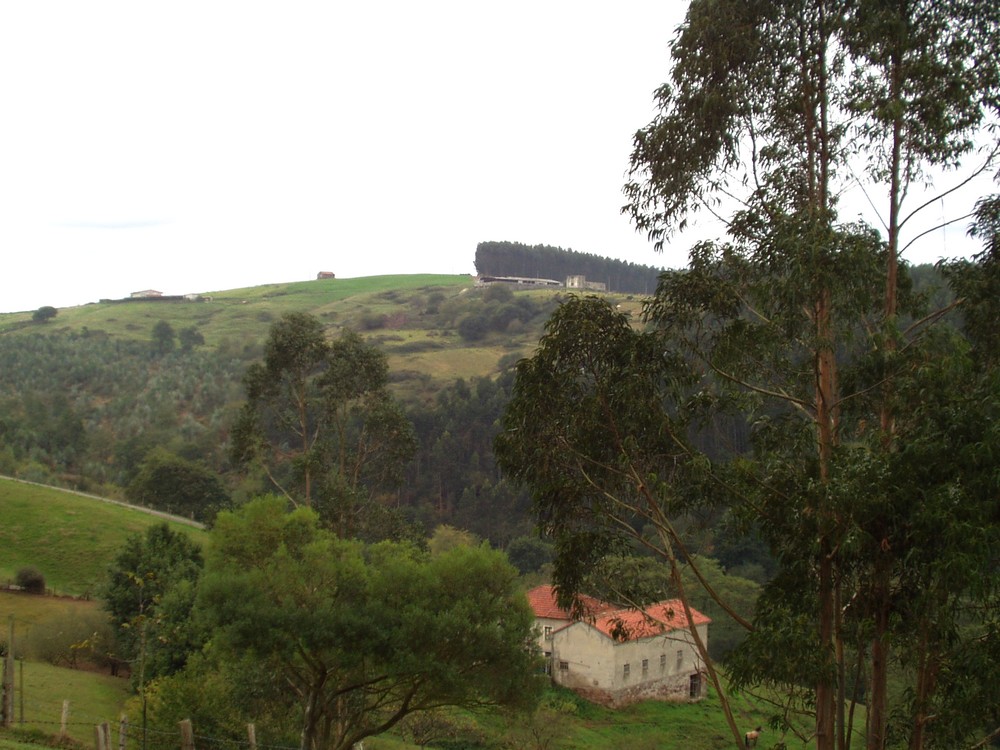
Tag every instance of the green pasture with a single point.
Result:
(70, 538)
(235, 314)
(93, 699)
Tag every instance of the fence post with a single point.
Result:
(252, 736)
(64, 720)
(102, 733)
(7, 709)
(122, 731)
(187, 735)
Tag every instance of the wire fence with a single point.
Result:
(121, 734)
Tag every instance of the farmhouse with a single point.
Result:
(616, 656)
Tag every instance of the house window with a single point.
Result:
(548, 632)
(625, 670)
(564, 666)
(663, 662)
(680, 659)
(645, 667)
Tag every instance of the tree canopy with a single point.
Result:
(864, 454)
(363, 635)
(320, 421)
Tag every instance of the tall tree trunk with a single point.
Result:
(826, 384)
(882, 572)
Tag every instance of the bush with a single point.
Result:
(373, 322)
(473, 328)
(30, 579)
(73, 640)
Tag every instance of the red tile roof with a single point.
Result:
(662, 617)
(616, 623)
(543, 602)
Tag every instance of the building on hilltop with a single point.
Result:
(326, 275)
(580, 282)
(616, 656)
(146, 293)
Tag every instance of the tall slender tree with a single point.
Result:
(798, 317)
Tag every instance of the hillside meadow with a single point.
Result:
(70, 538)
(414, 318)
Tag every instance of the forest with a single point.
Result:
(547, 262)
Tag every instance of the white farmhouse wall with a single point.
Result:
(545, 641)
(589, 662)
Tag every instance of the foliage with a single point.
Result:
(30, 579)
(797, 318)
(44, 314)
(528, 553)
(73, 640)
(149, 596)
(189, 338)
(446, 538)
(175, 485)
(164, 338)
(454, 471)
(365, 636)
(319, 420)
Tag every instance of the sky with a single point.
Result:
(198, 146)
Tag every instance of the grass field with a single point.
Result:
(234, 313)
(93, 698)
(68, 537)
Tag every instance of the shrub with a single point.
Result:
(473, 328)
(498, 293)
(30, 579)
(72, 639)
(373, 321)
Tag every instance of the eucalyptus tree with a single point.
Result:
(795, 317)
(319, 419)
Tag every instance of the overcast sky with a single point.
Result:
(201, 146)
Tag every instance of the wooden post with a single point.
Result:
(64, 720)
(20, 690)
(252, 736)
(7, 708)
(122, 732)
(102, 733)
(187, 735)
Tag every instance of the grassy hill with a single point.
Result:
(415, 319)
(71, 538)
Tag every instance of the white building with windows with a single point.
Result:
(619, 656)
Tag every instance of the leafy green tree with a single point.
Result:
(364, 636)
(164, 338)
(796, 320)
(593, 428)
(319, 415)
(149, 596)
(44, 314)
(189, 338)
(176, 485)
